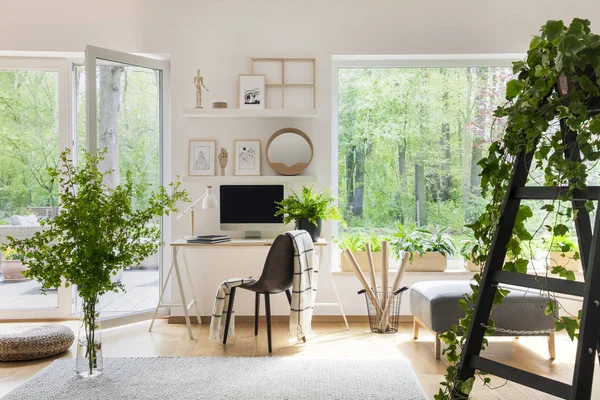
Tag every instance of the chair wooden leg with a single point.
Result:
(229, 312)
(268, 312)
(289, 296)
(256, 312)
(415, 329)
(437, 346)
(551, 346)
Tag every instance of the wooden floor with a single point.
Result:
(327, 340)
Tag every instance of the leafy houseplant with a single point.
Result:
(97, 233)
(557, 84)
(13, 265)
(308, 210)
(355, 242)
(563, 252)
(433, 248)
(468, 248)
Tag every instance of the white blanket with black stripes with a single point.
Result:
(304, 286)
(304, 290)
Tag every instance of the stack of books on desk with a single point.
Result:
(207, 239)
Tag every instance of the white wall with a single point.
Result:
(219, 36)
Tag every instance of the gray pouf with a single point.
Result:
(434, 305)
(29, 342)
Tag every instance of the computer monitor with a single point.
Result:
(250, 208)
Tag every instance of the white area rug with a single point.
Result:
(227, 378)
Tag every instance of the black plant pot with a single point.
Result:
(313, 230)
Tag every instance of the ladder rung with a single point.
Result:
(573, 288)
(547, 385)
(553, 192)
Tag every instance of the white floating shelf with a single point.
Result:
(224, 180)
(238, 113)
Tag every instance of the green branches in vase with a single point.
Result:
(308, 210)
(97, 233)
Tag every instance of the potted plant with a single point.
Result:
(563, 252)
(13, 266)
(96, 234)
(433, 248)
(466, 252)
(355, 242)
(308, 210)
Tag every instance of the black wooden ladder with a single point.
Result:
(493, 275)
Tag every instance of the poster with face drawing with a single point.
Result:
(201, 158)
(247, 157)
(251, 91)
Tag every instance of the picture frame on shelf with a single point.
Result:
(201, 158)
(246, 157)
(251, 91)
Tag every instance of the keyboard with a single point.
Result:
(247, 242)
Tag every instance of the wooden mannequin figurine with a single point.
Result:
(199, 84)
(223, 156)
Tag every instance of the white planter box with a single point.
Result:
(429, 262)
(556, 258)
(470, 266)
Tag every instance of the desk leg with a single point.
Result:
(335, 291)
(182, 293)
(189, 276)
(162, 294)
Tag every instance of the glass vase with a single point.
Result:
(89, 342)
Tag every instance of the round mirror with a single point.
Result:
(289, 151)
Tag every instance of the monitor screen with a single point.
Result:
(250, 204)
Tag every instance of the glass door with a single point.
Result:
(125, 117)
(33, 130)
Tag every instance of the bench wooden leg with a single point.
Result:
(551, 346)
(415, 329)
(437, 346)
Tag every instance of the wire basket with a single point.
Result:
(384, 316)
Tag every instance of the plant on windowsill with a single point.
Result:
(467, 250)
(558, 82)
(97, 233)
(563, 252)
(308, 210)
(356, 243)
(433, 248)
(13, 265)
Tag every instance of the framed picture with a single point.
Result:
(251, 91)
(247, 157)
(201, 158)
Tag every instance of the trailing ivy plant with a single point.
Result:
(97, 232)
(558, 82)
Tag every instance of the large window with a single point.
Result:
(409, 140)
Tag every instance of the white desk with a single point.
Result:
(320, 246)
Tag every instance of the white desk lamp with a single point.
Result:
(210, 201)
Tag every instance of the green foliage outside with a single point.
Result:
(97, 233)
(310, 205)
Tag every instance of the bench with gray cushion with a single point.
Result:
(434, 305)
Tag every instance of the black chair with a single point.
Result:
(277, 276)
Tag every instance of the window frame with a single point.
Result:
(339, 62)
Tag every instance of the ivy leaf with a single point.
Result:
(534, 44)
(553, 30)
(548, 207)
(570, 45)
(560, 230)
(569, 324)
(521, 265)
(514, 88)
(467, 385)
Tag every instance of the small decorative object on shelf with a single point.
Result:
(199, 84)
(247, 157)
(223, 158)
(251, 91)
(201, 158)
(219, 104)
